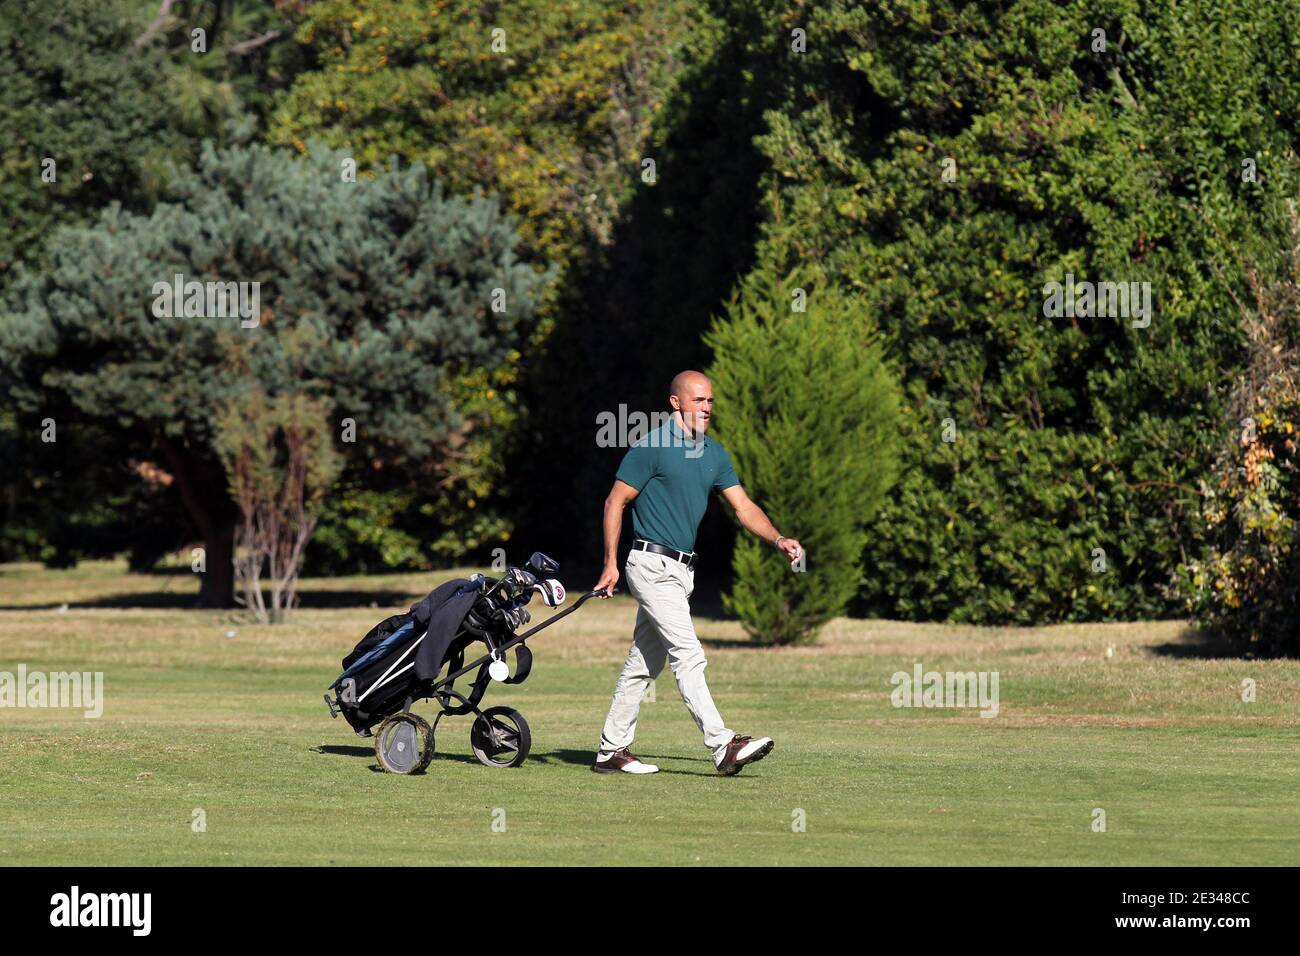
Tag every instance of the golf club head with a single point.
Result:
(543, 566)
(520, 579)
(552, 592)
(514, 584)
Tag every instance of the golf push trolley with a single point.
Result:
(398, 662)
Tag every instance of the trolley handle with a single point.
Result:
(592, 594)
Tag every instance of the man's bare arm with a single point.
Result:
(754, 520)
(618, 499)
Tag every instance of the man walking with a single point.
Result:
(667, 477)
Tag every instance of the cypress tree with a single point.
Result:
(809, 414)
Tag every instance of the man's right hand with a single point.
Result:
(608, 578)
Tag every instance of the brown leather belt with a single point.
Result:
(685, 557)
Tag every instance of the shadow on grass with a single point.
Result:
(1197, 644)
(584, 758)
(351, 750)
(575, 758)
(335, 750)
(185, 600)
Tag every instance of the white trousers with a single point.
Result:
(664, 633)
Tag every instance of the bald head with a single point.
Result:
(691, 395)
(685, 380)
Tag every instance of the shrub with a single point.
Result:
(1245, 587)
(808, 412)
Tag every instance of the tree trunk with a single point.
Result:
(207, 501)
(217, 587)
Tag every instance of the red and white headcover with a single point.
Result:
(552, 592)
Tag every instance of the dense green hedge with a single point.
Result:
(1075, 441)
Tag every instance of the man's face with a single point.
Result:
(695, 402)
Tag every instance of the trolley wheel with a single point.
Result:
(404, 743)
(500, 737)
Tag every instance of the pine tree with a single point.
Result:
(372, 295)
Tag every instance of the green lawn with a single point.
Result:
(1186, 772)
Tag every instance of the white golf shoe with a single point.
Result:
(622, 761)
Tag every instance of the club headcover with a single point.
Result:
(552, 592)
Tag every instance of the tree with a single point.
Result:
(80, 123)
(950, 160)
(546, 104)
(369, 294)
(96, 106)
(809, 414)
(281, 460)
(99, 96)
(555, 107)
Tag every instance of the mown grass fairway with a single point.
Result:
(1186, 772)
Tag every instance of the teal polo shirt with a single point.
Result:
(674, 477)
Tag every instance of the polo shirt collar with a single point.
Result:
(675, 429)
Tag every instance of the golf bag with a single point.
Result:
(399, 662)
(396, 663)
